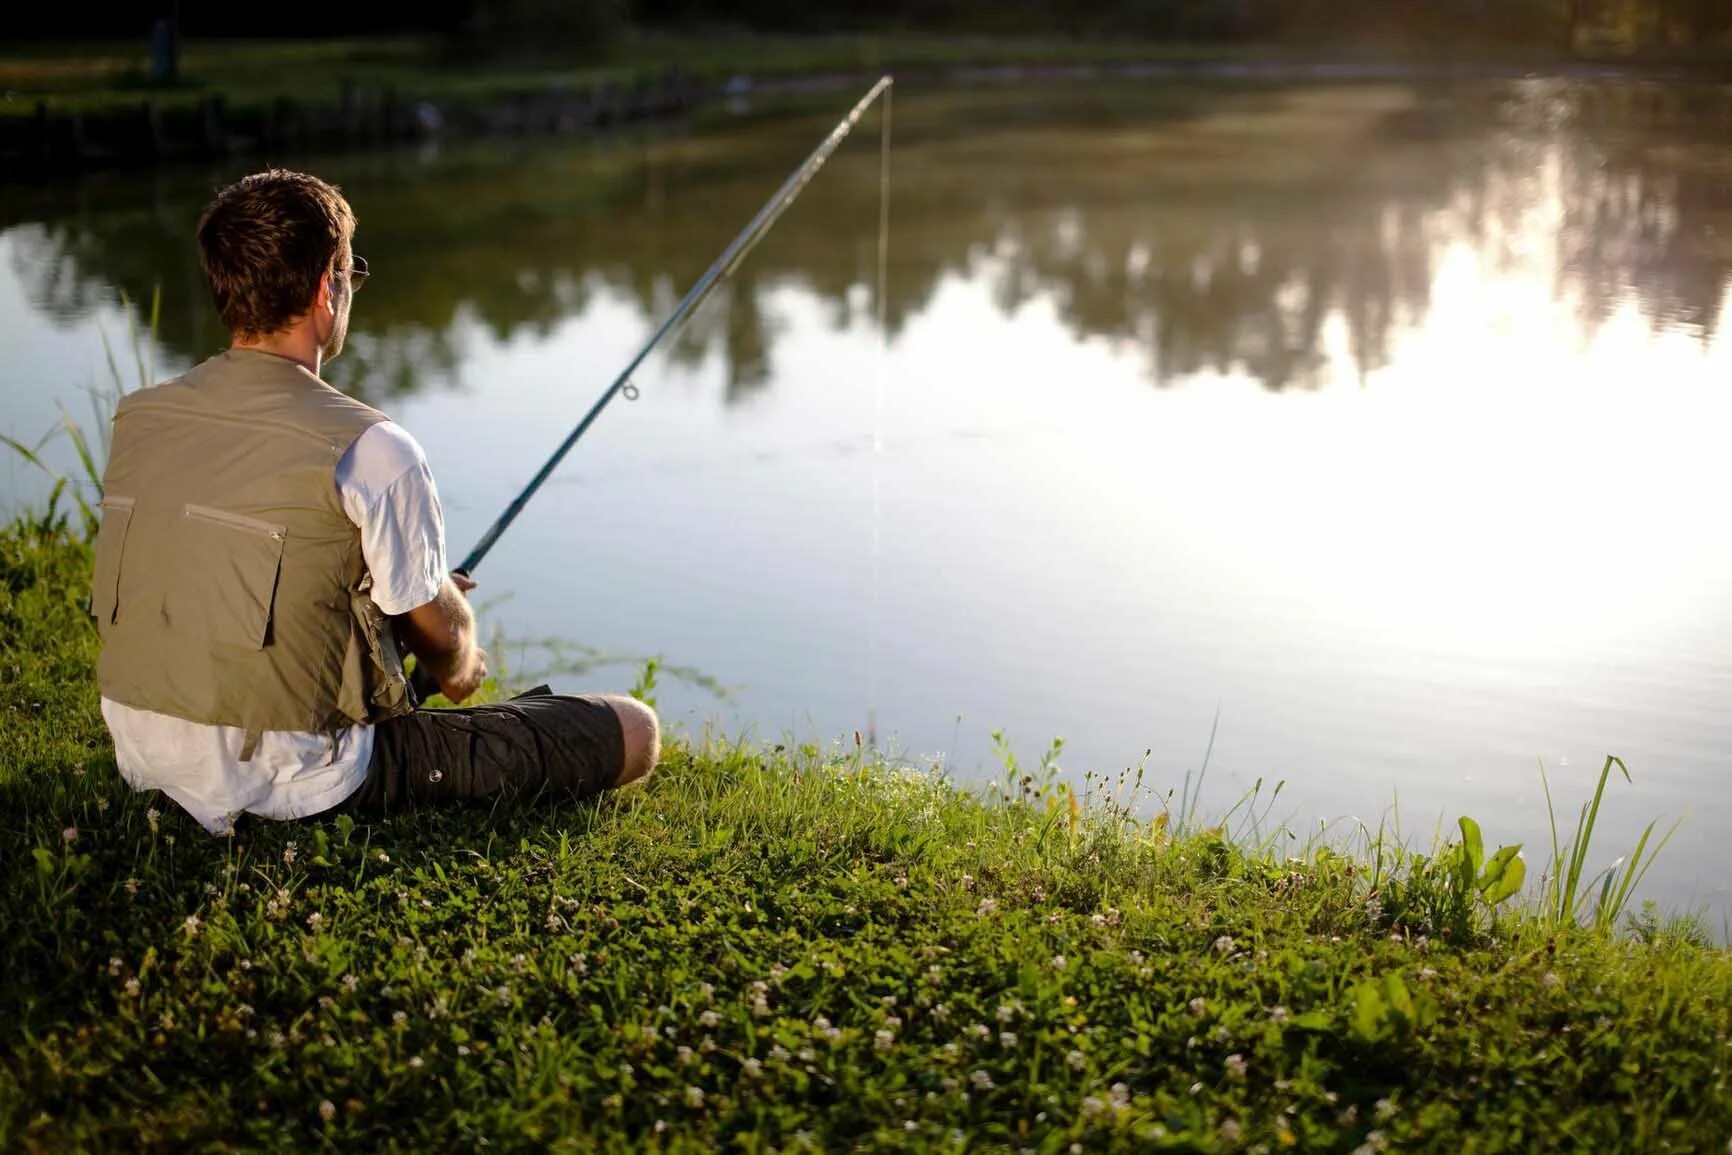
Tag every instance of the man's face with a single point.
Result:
(337, 316)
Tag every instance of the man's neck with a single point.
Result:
(297, 344)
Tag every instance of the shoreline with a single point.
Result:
(792, 948)
(102, 115)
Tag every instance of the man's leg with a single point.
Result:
(557, 744)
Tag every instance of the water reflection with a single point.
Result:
(1216, 229)
(1437, 495)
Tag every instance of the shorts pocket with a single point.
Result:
(110, 547)
(225, 577)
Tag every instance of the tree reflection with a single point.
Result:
(1217, 229)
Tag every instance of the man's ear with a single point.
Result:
(326, 296)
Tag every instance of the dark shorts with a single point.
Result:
(538, 742)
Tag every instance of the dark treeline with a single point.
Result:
(1549, 24)
(1213, 229)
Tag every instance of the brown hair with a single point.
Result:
(266, 241)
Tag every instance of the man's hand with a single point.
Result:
(457, 685)
(442, 635)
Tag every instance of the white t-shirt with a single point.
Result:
(387, 490)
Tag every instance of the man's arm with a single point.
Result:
(442, 635)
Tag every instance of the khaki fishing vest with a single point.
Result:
(229, 585)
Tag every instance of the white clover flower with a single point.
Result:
(1235, 1065)
(1385, 1109)
(1230, 1131)
(883, 1040)
(315, 919)
(132, 988)
(967, 881)
(1224, 945)
(1279, 1014)
(1007, 1011)
(327, 1110)
(350, 983)
(1058, 962)
(1007, 1039)
(1198, 1006)
(70, 834)
(191, 925)
(981, 1080)
(779, 1053)
(709, 1019)
(807, 1055)
(399, 1018)
(502, 995)
(980, 1031)
(1077, 1060)
(685, 1054)
(694, 1097)
(752, 1068)
(987, 906)
(940, 1012)
(289, 851)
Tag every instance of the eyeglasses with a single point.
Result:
(357, 273)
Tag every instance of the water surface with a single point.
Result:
(1381, 420)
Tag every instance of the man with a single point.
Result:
(266, 545)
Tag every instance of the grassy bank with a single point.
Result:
(106, 75)
(779, 949)
(249, 74)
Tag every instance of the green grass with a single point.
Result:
(770, 948)
(96, 76)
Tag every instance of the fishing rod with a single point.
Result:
(724, 266)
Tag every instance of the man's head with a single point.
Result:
(275, 249)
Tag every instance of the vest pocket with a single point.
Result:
(227, 580)
(110, 546)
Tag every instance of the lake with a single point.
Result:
(1375, 428)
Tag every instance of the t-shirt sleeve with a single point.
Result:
(388, 492)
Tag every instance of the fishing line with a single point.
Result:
(736, 252)
(880, 375)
